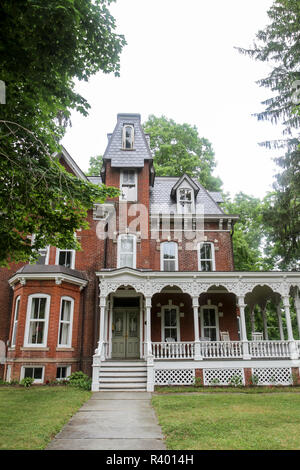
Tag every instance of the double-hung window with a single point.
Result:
(37, 320)
(128, 137)
(210, 322)
(171, 324)
(169, 256)
(128, 185)
(65, 322)
(65, 258)
(15, 325)
(206, 255)
(37, 373)
(127, 251)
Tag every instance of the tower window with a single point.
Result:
(128, 137)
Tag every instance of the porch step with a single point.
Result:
(123, 375)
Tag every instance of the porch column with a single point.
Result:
(243, 331)
(279, 316)
(292, 344)
(252, 317)
(148, 327)
(148, 348)
(297, 307)
(197, 356)
(101, 351)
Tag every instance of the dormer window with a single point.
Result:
(185, 200)
(128, 137)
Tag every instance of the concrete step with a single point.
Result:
(122, 374)
(123, 379)
(120, 387)
(123, 364)
(124, 369)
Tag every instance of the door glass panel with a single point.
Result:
(118, 331)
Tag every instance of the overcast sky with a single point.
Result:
(180, 62)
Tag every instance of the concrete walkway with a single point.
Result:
(112, 421)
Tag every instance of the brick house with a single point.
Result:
(152, 297)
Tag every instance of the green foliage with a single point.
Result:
(198, 382)
(236, 381)
(80, 380)
(178, 149)
(95, 166)
(254, 380)
(248, 233)
(27, 382)
(44, 47)
(278, 44)
(281, 214)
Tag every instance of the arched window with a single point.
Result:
(126, 251)
(206, 256)
(128, 137)
(168, 256)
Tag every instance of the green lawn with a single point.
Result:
(29, 418)
(230, 421)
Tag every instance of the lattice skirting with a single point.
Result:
(273, 375)
(223, 376)
(174, 376)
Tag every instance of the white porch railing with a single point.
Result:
(176, 350)
(222, 349)
(269, 349)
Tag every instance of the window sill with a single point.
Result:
(34, 348)
(64, 348)
(128, 150)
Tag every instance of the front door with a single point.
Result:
(125, 333)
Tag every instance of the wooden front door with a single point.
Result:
(125, 333)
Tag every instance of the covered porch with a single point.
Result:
(200, 318)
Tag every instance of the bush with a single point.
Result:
(27, 382)
(80, 380)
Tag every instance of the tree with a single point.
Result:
(248, 236)
(279, 45)
(281, 214)
(95, 166)
(44, 47)
(177, 149)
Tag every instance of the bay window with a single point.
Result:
(65, 322)
(37, 320)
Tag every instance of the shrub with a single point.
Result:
(27, 382)
(80, 380)
(198, 382)
(236, 381)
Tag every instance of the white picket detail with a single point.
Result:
(176, 350)
(221, 349)
(263, 349)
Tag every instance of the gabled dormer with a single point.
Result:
(184, 193)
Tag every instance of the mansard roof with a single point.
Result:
(161, 196)
(124, 158)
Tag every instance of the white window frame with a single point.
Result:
(67, 374)
(45, 321)
(210, 307)
(36, 381)
(125, 126)
(70, 323)
(15, 323)
(124, 196)
(163, 326)
(120, 237)
(212, 259)
(191, 204)
(58, 251)
(162, 255)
